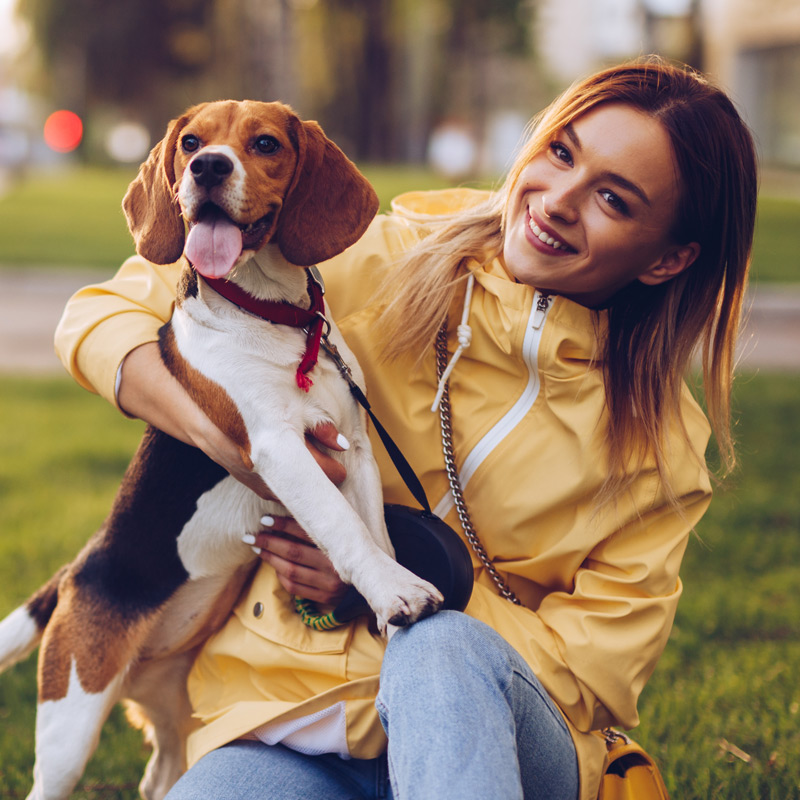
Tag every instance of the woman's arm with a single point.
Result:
(595, 643)
(105, 321)
(148, 390)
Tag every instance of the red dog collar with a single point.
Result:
(280, 313)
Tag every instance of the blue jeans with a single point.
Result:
(466, 719)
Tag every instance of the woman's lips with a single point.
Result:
(546, 240)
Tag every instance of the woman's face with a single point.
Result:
(593, 212)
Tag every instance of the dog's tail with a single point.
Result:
(21, 631)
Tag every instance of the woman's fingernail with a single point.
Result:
(342, 442)
(267, 521)
(256, 550)
(249, 539)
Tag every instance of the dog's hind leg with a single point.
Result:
(67, 732)
(159, 705)
(84, 659)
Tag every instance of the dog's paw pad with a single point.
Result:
(402, 616)
(406, 617)
(422, 603)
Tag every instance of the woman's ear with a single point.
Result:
(675, 261)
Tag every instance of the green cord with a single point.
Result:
(309, 613)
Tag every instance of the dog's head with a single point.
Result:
(242, 174)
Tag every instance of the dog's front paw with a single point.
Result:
(414, 601)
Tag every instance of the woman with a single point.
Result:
(618, 243)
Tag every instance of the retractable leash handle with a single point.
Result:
(423, 542)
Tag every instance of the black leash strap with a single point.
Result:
(403, 467)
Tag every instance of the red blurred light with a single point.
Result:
(63, 131)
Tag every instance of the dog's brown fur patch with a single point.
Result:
(100, 643)
(187, 286)
(215, 402)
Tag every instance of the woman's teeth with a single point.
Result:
(544, 237)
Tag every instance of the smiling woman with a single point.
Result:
(646, 177)
(606, 196)
(572, 299)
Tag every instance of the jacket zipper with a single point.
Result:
(512, 418)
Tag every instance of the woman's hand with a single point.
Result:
(302, 568)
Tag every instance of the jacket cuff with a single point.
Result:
(99, 359)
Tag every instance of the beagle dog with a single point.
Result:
(263, 196)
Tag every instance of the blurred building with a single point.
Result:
(575, 37)
(750, 47)
(753, 48)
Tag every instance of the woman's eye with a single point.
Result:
(267, 144)
(190, 143)
(561, 152)
(615, 201)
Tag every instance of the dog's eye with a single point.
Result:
(267, 144)
(190, 143)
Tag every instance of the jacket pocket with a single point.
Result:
(267, 611)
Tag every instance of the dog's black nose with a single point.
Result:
(210, 169)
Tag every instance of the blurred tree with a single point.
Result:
(677, 35)
(358, 44)
(379, 74)
(120, 54)
(481, 33)
(401, 64)
(265, 41)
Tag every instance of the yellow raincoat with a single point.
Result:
(599, 588)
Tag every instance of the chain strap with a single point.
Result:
(445, 418)
(610, 735)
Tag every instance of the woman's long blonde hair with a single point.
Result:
(653, 331)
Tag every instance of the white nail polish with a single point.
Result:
(249, 539)
(342, 442)
(256, 550)
(267, 521)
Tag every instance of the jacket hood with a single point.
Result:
(438, 202)
(577, 328)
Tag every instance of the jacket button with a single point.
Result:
(258, 610)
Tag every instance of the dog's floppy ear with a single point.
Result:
(150, 204)
(329, 203)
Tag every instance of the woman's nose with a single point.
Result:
(561, 203)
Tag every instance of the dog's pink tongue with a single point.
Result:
(214, 244)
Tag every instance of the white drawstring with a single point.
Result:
(464, 340)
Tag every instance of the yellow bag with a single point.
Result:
(630, 773)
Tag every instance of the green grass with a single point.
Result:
(390, 181)
(776, 251)
(74, 218)
(66, 218)
(729, 672)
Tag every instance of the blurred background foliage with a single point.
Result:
(379, 73)
(389, 80)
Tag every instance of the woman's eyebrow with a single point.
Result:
(614, 177)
